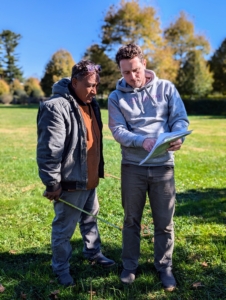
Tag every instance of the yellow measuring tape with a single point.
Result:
(86, 212)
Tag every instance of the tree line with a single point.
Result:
(176, 53)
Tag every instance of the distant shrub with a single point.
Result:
(206, 106)
(6, 98)
(20, 96)
(103, 103)
(37, 93)
(4, 87)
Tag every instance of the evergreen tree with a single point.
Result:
(217, 65)
(194, 78)
(8, 68)
(109, 73)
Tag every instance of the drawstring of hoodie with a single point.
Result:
(139, 97)
(140, 104)
(149, 95)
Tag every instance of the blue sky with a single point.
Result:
(74, 25)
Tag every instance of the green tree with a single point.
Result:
(181, 37)
(188, 48)
(109, 73)
(58, 67)
(32, 88)
(8, 68)
(195, 78)
(131, 23)
(217, 65)
(1, 61)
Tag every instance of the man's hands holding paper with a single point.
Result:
(176, 145)
(148, 144)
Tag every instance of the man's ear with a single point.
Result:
(74, 82)
(144, 62)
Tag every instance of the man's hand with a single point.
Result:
(148, 144)
(176, 145)
(53, 195)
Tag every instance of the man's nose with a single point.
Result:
(133, 76)
(94, 90)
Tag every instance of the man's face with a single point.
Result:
(86, 88)
(133, 71)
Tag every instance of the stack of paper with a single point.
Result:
(163, 143)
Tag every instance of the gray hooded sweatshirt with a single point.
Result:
(139, 113)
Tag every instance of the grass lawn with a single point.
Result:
(26, 216)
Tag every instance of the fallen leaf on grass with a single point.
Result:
(109, 175)
(53, 295)
(12, 251)
(197, 285)
(1, 288)
(204, 264)
(28, 188)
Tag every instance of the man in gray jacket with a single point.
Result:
(142, 107)
(70, 161)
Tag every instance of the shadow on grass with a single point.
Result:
(30, 273)
(208, 204)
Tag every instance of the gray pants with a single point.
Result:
(64, 224)
(158, 183)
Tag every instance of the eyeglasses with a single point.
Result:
(93, 68)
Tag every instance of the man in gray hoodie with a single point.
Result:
(142, 107)
(70, 161)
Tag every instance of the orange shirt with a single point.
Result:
(93, 145)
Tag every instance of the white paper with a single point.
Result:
(163, 143)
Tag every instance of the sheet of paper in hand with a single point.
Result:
(163, 143)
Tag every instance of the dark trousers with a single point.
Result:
(158, 183)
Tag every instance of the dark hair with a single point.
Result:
(82, 68)
(128, 52)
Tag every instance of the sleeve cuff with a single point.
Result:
(140, 140)
(53, 188)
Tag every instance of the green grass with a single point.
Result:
(26, 216)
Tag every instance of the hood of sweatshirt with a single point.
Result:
(151, 78)
(61, 87)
